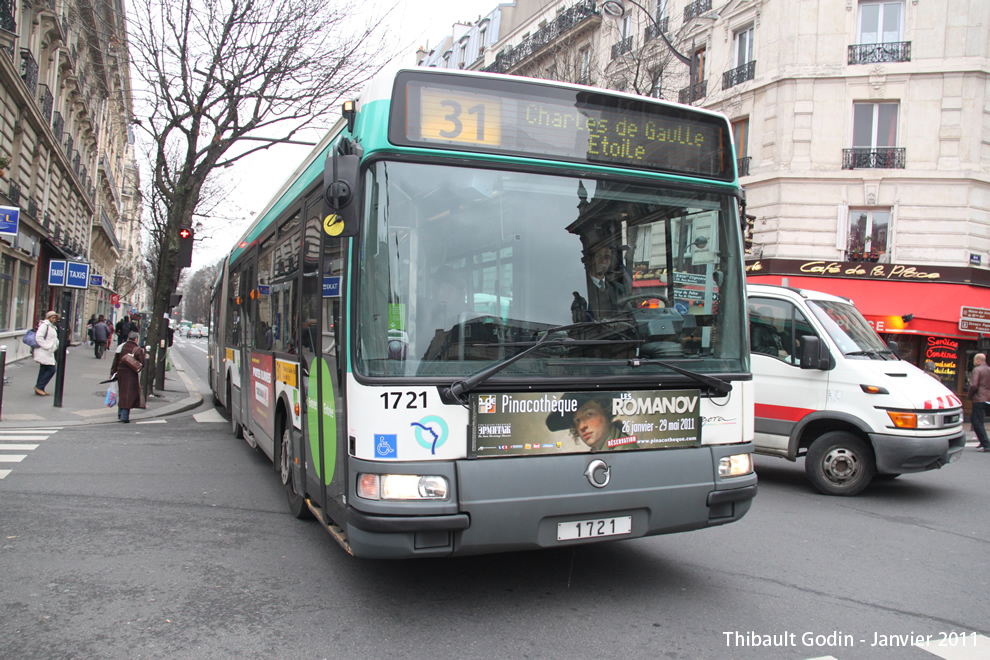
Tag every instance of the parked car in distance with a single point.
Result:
(197, 331)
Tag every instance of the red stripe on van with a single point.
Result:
(786, 413)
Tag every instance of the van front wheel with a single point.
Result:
(839, 463)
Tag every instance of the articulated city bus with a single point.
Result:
(490, 313)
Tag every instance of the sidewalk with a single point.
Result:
(82, 393)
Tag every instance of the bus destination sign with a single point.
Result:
(524, 118)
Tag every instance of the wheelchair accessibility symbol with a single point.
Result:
(431, 432)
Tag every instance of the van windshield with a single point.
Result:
(854, 336)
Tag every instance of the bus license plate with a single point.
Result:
(590, 529)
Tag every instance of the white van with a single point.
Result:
(829, 389)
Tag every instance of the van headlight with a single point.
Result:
(401, 487)
(736, 465)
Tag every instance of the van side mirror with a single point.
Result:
(892, 345)
(814, 354)
(341, 194)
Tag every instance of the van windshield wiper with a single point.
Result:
(459, 390)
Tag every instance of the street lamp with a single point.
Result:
(616, 9)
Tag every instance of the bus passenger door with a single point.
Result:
(325, 429)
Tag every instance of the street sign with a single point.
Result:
(56, 273)
(974, 319)
(331, 286)
(77, 275)
(96, 280)
(9, 216)
(115, 299)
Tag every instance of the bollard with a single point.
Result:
(3, 377)
(160, 367)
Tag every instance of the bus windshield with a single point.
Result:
(462, 268)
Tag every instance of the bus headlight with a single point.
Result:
(401, 487)
(736, 465)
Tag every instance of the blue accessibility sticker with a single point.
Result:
(386, 445)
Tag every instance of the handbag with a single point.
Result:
(131, 362)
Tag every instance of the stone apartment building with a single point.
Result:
(67, 156)
(862, 132)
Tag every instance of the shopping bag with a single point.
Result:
(111, 398)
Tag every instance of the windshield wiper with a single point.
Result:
(717, 385)
(459, 390)
(871, 351)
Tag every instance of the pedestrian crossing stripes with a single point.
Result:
(968, 646)
(20, 440)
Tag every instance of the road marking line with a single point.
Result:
(4, 473)
(12, 458)
(11, 447)
(967, 647)
(209, 416)
(4, 438)
(5, 432)
(154, 421)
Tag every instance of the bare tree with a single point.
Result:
(196, 291)
(218, 73)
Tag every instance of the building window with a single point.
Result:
(744, 46)
(585, 75)
(23, 299)
(874, 125)
(868, 232)
(880, 34)
(874, 138)
(8, 268)
(880, 22)
(740, 137)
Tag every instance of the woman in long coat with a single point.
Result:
(128, 380)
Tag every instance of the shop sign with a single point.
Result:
(96, 280)
(77, 275)
(974, 319)
(944, 352)
(9, 216)
(869, 271)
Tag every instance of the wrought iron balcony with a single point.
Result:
(58, 126)
(14, 193)
(68, 147)
(862, 158)
(29, 71)
(742, 164)
(691, 94)
(652, 32)
(75, 164)
(46, 101)
(509, 58)
(622, 47)
(32, 208)
(107, 227)
(47, 224)
(894, 51)
(739, 75)
(697, 8)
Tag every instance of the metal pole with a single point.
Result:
(3, 378)
(160, 367)
(60, 365)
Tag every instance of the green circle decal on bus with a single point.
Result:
(327, 417)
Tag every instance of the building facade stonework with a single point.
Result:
(66, 159)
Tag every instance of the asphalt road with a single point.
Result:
(173, 540)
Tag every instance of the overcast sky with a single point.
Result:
(412, 23)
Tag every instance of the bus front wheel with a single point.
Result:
(839, 463)
(297, 503)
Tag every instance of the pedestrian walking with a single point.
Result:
(129, 393)
(101, 337)
(47, 338)
(89, 328)
(979, 396)
(123, 329)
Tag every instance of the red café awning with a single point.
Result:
(935, 305)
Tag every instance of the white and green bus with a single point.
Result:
(491, 313)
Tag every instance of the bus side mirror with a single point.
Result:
(341, 192)
(814, 354)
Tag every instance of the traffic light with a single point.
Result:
(184, 259)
